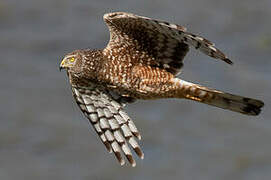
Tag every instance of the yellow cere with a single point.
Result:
(62, 62)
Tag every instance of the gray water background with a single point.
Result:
(43, 134)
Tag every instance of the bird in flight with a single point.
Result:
(141, 61)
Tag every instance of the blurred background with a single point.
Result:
(43, 134)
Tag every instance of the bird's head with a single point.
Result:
(81, 63)
(72, 62)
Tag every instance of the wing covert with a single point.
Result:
(160, 43)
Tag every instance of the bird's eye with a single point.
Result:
(72, 59)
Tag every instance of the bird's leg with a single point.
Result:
(153, 83)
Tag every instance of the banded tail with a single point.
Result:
(219, 99)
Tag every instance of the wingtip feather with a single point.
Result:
(227, 60)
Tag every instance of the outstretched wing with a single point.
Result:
(154, 42)
(110, 121)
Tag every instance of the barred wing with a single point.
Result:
(110, 121)
(153, 40)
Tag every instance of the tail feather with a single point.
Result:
(219, 99)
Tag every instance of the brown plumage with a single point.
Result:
(141, 61)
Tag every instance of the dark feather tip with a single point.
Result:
(253, 109)
(227, 60)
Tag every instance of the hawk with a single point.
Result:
(141, 61)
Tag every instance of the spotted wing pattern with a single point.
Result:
(110, 121)
(159, 41)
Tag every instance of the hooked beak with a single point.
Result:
(61, 66)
